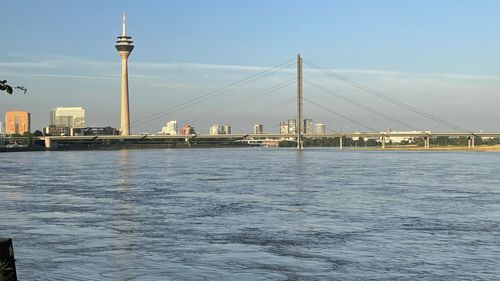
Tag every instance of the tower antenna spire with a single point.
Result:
(124, 25)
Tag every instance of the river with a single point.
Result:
(252, 214)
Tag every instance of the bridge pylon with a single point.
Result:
(300, 116)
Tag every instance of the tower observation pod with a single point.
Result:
(124, 47)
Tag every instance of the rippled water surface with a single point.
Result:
(252, 214)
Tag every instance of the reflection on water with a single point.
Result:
(252, 214)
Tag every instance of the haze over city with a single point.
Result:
(65, 56)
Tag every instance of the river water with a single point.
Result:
(252, 214)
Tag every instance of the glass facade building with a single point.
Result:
(70, 117)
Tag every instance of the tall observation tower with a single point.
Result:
(124, 47)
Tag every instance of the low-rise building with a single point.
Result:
(53, 130)
(399, 139)
(95, 131)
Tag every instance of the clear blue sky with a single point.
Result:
(442, 56)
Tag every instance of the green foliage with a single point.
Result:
(287, 144)
(372, 142)
(442, 141)
(360, 142)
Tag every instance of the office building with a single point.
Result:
(187, 130)
(69, 117)
(292, 124)
(283, 128)
(53, 130)
(220, 130)
(1, 128)
(226, 130)
(170, 129)
(258, 129)
(95, 131)
(319, 128)
(308, 126)
(288, 127)
(214, 130)
(17, 122)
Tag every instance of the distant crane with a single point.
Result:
(9, 89)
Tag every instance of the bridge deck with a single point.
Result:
(267, 136)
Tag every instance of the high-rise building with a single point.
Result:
(124, 47)
(283, 127)
(308, 126)
(292, 125)
(226, 129)
(319, 128)
(69, 117)
(220, 130)
(17, 122)
(258, 129)
(187, 130)
(170, 129)
(1, 128)
(288, 127)
(214, 130)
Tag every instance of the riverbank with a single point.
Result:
(486, 148)
(491, 148)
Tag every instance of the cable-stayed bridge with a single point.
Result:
(298, 136)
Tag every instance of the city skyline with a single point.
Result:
(458, 84)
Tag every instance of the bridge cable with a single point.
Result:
(211, 94)
(387, 98)
(341, 115)
(241, 101)
(374, 111)
(215, 93)
(274, 106)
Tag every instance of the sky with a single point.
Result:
(441, 57)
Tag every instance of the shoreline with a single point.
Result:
(482, 148)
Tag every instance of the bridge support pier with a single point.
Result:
(341, 142)
(383, 141)
(471, 142)
(50, 144)
(427, 142)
